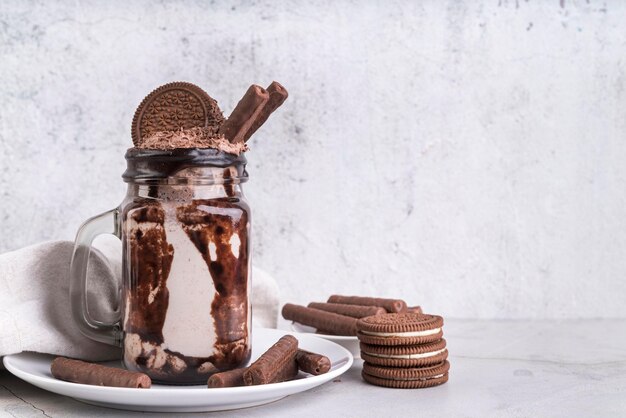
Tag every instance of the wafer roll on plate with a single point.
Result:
(77, 371)
(312, 363)
(288, 372)
(272, 363)
(230, 378)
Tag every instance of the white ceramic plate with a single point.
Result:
(35, 369)
(349, 343)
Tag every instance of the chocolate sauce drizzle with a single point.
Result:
(150, 166)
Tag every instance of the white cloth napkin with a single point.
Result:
(35, 313)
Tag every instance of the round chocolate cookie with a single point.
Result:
(174, 106)
(400, 329)
(405, 355)
(411, 378)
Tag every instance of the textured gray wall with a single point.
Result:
(468, 156)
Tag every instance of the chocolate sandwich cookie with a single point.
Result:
(174, 106)
(400, 329)
(406, 378)
(405, 355)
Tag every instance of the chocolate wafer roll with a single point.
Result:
(77, 371)
(355, 311)
(312, 363)
(287, 373)
(391, 305)
(278, 95)
(414, 309)
(273, 362)
(338, 324)
(246, 112)
(230, 378)
(234, 378)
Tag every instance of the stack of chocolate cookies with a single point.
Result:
(403, 350)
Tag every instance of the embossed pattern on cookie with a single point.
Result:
(174, 106)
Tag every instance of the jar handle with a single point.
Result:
(105, 223)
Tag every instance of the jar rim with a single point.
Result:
(149, 165)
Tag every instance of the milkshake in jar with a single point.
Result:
(185, 228)
(186, 241)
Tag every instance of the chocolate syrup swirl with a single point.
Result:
(151, 258)
(218, 222)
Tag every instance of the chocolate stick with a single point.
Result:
(312, 363)
(278, 95)
(95, 374)
(272, 362)
(339, 324)
(233, 378)
(247, 110)
(287, 373)
(391, 305)
(355, 311)
(227, 379)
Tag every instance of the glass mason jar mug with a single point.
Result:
(185, 230)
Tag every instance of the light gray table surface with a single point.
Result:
(498, 368)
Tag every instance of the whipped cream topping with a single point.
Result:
(404, 334)
(196, 137)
